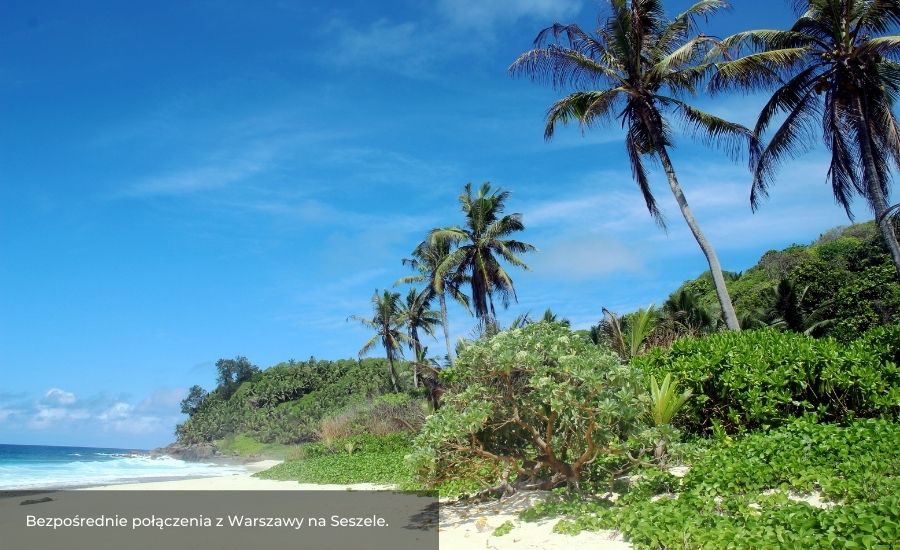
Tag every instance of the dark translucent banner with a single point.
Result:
(245, 520)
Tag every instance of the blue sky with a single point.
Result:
(184, 181)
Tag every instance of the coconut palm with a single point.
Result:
(482, 243)
(639, 66)
(387, 322)
(836, 67)
(416, 314)
(426, 258)
(685, 314)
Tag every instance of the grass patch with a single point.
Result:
(248, 447)
(504, 529)
(357, 459)
(723, 503)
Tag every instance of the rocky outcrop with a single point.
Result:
(196, 452)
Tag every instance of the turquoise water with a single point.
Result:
(46, 467)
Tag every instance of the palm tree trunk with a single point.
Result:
(393, 374)
(443, 301)
(417, 351)
(876, 197)
(715, 268)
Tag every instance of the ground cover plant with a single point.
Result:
(356, 459)
(747, 494)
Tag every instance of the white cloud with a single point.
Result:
(488, 13)
(381, 45)
(164, 401)
(45, 417)
(117, 411)
(56, 396)
(59, 410)
(583, 257)
(217, 173)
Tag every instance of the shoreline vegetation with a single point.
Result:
(753, 409)
(695, 435)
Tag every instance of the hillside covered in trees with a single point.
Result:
(840, 286)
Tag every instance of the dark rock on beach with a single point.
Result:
(197, 452)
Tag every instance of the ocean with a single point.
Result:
(47, 467)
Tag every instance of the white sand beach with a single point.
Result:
(243, 481)
(463, 525)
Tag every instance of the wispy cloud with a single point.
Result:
(584, 257)
(382, 45)
(485, 14)
(451, 28)
(211, 175)
(63, 411)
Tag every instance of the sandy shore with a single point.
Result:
(236, 482)
(462, 526)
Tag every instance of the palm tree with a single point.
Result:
(525, 319)
(627, 335)
(387, 322)
(550, 317)
(686, 315)
(637, 66)
(426, 258)
(416, 314)
(836, 68)
(482, 243)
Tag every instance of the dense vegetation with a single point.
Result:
(763, 418)
(748, 494)
(841, 285)
(536, 402)
(285, 403)
(770, 386)
(764, 378)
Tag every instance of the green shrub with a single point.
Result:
(372, 460)
(285, 404)
(756, 379)
(724, 501)
(535, 401)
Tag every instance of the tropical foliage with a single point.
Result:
(539, 403)
(836, 68)
(387, 321)
(764, 378)
(426, 258)
(750, 494)
(841, 285)
(481, 245)
(286, 403)
(644, 63)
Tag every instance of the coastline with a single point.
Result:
(243, 481)
(462, 525)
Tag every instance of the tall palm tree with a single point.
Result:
(387, 322)
(637, 66)
(416, 314)
(426, 258)
(837, 68)
(482, 243)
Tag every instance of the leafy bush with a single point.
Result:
(755, 379)
(385, 414)
(725, 502)
(533, 401)
(359, 459)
